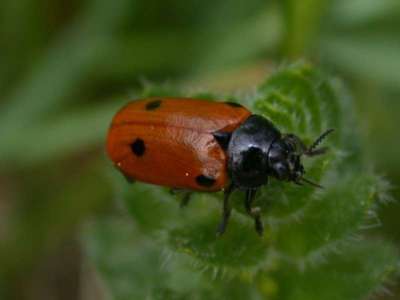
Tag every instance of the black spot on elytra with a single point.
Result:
(233, 104)
(152, 105)
(138, 147)
(205, 181)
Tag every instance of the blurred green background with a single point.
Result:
(66, 67)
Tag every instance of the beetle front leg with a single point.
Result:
(226, 211)
(254, 211)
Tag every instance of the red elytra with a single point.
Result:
(170, 141)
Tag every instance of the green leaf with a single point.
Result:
(355, 273)
(130, 265)
(152, 208)
(135, 267)
(332, 217)
(231, 251)
(308, 250)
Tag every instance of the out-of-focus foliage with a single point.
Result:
(67, 66)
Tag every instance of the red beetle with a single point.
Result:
(201, 145)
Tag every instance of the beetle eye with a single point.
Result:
(277, 154)
(281, 170)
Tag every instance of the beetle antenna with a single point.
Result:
(311, 183)
(312, 151)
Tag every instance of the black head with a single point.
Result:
(285, 155)
(258, 150)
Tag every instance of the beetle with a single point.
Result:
(199, 145)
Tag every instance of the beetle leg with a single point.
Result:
(254, 211)
(226, 211)
(186, 196)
